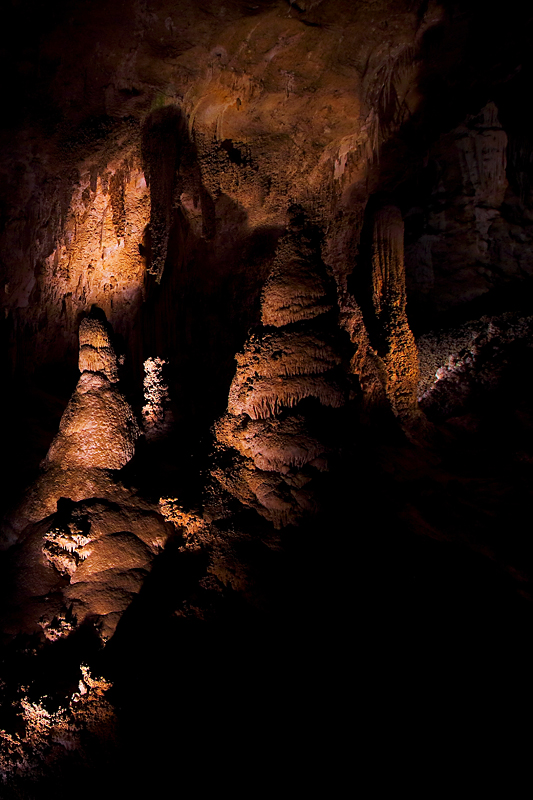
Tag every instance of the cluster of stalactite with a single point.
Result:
(289, 378)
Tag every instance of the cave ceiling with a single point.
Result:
(266, 333)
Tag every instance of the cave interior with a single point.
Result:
(267, 279)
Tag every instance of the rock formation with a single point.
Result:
(384, 353)
(87, 559)
(98, 429)
(150, 152)
(97, 434)
(395, 341)
(466, 366)
(472, 235)
(82, 565)
(273, 441)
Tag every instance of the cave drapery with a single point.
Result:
(267, 272)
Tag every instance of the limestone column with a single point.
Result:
(396, 345)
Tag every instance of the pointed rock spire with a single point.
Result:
(98, 428)
(275, 450)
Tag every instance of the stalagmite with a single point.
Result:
(86, 543)
(295, 356)
(98, 428)
(96, 351)
(293, 293)
(97, 434)
(266, 397)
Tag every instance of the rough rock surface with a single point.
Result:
(295, 356)
(85, 563)
(395, 341)
(476, 236)
(89, 559)
(464, 365)
(87, 722)
(97, 433)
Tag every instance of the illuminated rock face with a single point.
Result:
(395, 341)
(97, 434)
(86, 562)
(98, 429)
(293, 357)
(463, 367)
(89, 558)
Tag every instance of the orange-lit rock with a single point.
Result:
(88, 560)
(294, 357)
(396, 345)
(149, 153)
(97, 433)
(98, 429)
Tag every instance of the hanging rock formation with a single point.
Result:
(396, 345)
(384, 353)
(274, 446)
(365, 364)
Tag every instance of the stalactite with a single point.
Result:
(163, 136)
(364, 363)
(266, 397)
(396, 345)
